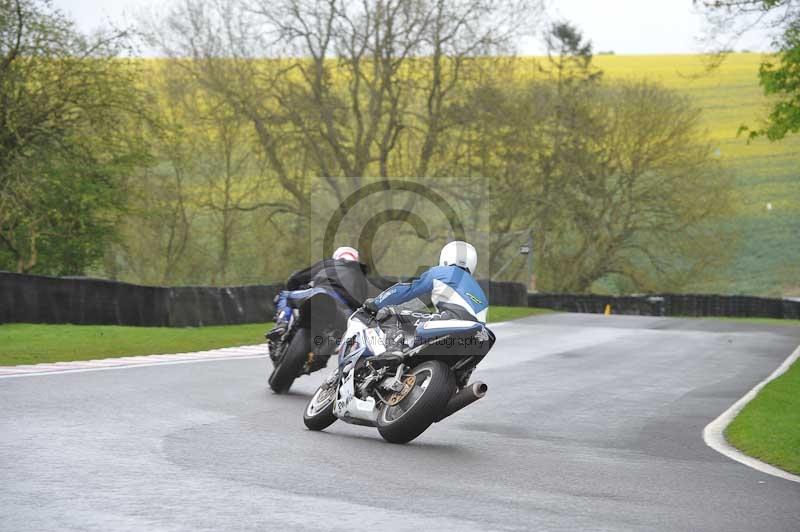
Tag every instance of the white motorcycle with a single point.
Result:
(424, 380)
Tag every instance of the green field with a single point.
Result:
(768, 428)
(25, 343)
(767, 251)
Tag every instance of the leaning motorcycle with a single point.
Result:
(311, 337)
(404, 393)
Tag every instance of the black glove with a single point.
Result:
(370, 305)
(385, 313)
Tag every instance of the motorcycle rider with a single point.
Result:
(452, 289)
(342, 274)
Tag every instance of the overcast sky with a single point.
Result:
(622, 26)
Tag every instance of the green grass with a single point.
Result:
(26, 343)
(512, 313)
(768, 428)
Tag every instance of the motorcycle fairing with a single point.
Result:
(351, 408)
(435, 329)
(360, 341)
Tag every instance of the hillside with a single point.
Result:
(767, 256)
(766, 247)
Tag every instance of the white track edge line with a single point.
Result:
(129, 366)
(157, 360)
(714, 437)
(140, 363)
(141, 360)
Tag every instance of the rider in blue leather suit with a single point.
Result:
(452, 289)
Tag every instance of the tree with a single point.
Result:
(335, 89)
(156, 232)
(779, 74)
(525, 134)
(642, 187)
(617, 180)
(65, 106)
(195, 215)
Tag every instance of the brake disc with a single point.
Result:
(408, 385)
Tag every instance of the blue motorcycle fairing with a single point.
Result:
(296, 298)
(354, 349)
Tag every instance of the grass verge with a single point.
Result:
(768, 428)
(26, 343)
(497, 314)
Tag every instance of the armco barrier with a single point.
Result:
(671, 305)
(501, 293)
(192, 306)
(40, 299)
(643, 306)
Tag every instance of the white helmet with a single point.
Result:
(346, 253)
(459, 253)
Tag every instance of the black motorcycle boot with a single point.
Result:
(277, 332)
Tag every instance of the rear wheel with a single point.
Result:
(290, 365)
(434, 384)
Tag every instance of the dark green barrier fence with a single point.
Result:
(500, 293)
(671, 305)
(40, 299)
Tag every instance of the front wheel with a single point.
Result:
(434, 384)
(288, 368)
(319, 411)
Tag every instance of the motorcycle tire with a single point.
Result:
(405, 421)
(318, 414)
(284, 374)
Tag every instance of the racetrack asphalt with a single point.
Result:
(590, 423)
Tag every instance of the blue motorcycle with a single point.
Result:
(318, 319)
